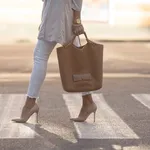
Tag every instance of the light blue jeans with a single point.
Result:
(41, 55)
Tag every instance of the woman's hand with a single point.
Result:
(77, 29)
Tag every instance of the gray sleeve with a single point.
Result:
(77, 5)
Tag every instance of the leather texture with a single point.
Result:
(81, 68)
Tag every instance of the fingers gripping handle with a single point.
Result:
(79, 38)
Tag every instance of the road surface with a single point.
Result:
(122, 119)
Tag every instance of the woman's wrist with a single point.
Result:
(77, 21)
(76, 17)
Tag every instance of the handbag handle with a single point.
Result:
(79, 38)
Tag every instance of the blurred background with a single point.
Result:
(103, 19)
(123, 27)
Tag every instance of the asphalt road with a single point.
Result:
(125, 89)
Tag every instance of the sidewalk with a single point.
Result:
(105, 32)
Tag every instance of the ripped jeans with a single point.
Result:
(42, 52)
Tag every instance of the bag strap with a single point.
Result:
(79, 38)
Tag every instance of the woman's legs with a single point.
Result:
(41, 55)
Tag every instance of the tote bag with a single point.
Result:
(81, 68)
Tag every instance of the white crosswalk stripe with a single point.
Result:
(108, 124)
(11, 105)
(143, 98)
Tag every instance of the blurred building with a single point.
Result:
(118, 12)
(103, 19)
(117, 19)
(124, 12)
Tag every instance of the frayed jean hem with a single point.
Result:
(36, 97)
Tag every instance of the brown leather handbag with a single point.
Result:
(81, 68)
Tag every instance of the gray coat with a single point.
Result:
(56, 21)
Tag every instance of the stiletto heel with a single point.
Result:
(37, 115)
(27, 113)
(94, 115)
(85, 112)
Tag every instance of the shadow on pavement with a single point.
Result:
(52, 141)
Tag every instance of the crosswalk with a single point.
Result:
(108, 125)
(11, 105)
(143, 98)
